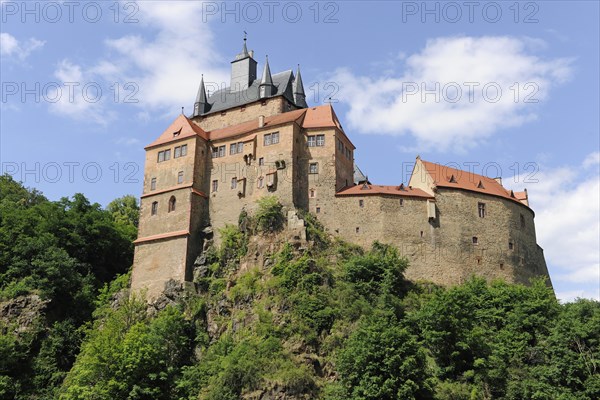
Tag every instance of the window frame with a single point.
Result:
(180, 177)
(215, 186)
(154, 208)
(481, 209)
(153, 184)
(320, 140)
(316, 168)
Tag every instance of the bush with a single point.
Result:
(269, 215)
(234, 244)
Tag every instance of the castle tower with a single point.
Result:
(259, 138)
(173, 207)
(243, 70)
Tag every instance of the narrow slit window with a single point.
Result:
(172, 203)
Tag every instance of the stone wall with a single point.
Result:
(237, 115)
(156, 263)
(441, 250)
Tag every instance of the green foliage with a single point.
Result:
(234, 244)
(269, 216)
(130, 356)
(315, 231)
(125, 210)
(383, 361)
(63, 251)
(329, 322)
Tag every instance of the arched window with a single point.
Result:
(172, 202)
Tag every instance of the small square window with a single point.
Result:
(261, 161)
(215, 185)
(361, 203)
(401, 202)
(318, 210)
(153, 184)
(311, 141)
(511, 245)
(475, 240)
(313, 168)
(357, 229)
(312, 193)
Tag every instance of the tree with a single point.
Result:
(383, 361)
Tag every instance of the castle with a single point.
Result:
(258, 137)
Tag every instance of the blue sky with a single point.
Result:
(503, 88)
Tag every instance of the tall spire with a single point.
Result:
(299, 95)
(201, 104)
(245, 49)
(266, 87)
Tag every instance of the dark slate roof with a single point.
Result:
(359, 177)
(223, 99)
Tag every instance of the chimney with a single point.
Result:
(261, 121)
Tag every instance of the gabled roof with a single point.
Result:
(249, 126)
(224, 99)
(368, 189)
(321, 117)
(448, 177)
(181, 128)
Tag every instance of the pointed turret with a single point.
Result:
(201, 104)
(299, 95)
(266, 87)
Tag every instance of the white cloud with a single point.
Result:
(11, 47)
(451, 65)
(78, 94)
(166, 66)
(567, 205)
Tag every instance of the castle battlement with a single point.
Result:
(258, 137)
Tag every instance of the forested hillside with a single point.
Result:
(269, 319)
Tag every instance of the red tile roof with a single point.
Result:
(249, 126)
(181, 128)
(315, 117)
(448, 177)
(323, 117)
(366, 190)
